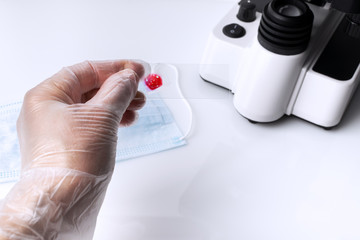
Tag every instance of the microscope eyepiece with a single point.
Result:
(289, 10)
(285, 26)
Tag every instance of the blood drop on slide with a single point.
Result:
(153, 81)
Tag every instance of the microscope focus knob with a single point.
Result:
(353, 25)
(247, 11)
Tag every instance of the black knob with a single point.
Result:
(247, 11)
(353, 25)
(234, 30)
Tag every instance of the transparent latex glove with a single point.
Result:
(67, 132)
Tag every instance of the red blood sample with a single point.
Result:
(153, 81)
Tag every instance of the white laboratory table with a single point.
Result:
(233, 180)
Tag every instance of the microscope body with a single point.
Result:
(269, 80)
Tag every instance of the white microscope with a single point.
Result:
(284, 57)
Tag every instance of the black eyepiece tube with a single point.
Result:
(285, 27)
(346, 6)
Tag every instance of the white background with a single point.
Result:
(233, 180)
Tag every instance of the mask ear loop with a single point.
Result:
(185, 101)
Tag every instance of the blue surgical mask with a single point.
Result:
(154, 131)
(9, 146)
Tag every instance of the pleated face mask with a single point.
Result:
(154, 131)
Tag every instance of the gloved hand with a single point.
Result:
(67, 132)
